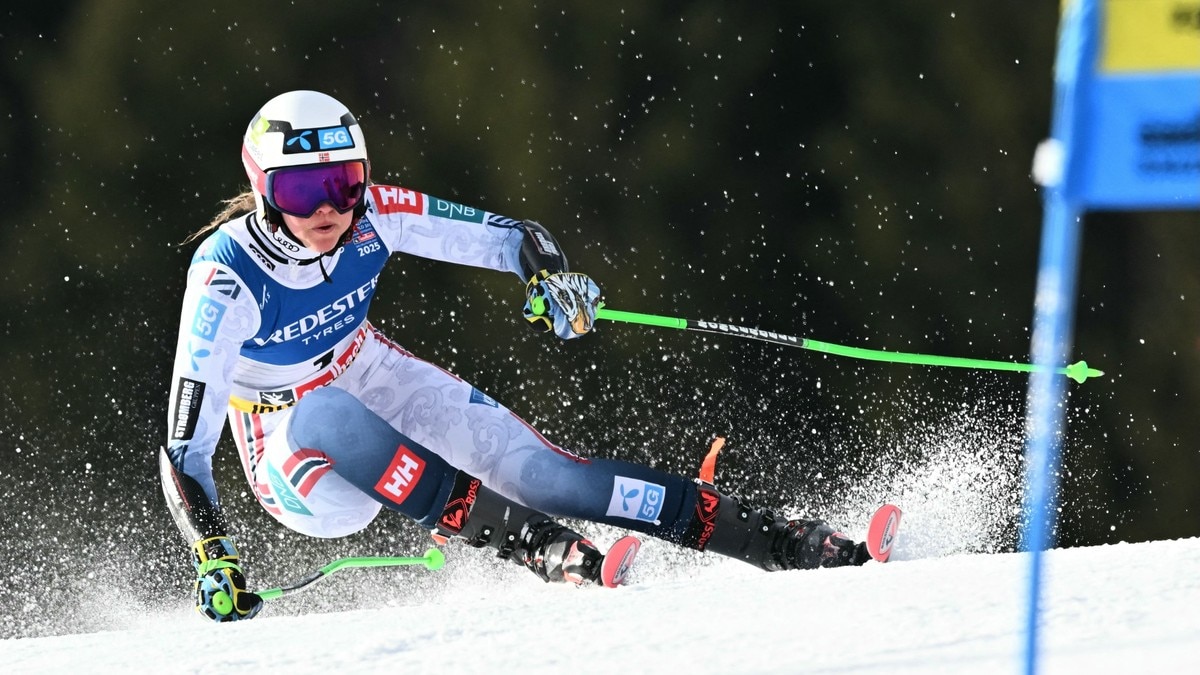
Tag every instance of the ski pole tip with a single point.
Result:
(1080, 372)
(434, 559)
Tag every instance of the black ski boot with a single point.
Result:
(484, 517)
(725, 525)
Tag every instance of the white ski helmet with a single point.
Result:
(299, 128)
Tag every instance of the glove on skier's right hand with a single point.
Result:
(221, 593)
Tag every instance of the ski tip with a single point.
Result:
(618, 561)
(881, 534)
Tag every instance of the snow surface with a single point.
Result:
(1109, 609)
(952, 600)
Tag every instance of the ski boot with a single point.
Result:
(726, 525)
(554, 552)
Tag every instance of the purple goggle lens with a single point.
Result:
(300, 190)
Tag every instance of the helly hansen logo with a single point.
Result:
(402, 475)
(391, 199)
(636, 499)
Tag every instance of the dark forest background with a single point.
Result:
(851, 172)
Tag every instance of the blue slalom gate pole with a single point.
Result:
(1051, 341)
(1124, 72)
(1054, 305)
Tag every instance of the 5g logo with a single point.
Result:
(651, 503)
(208, 317)
(337, 137)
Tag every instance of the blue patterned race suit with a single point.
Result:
(281, 346)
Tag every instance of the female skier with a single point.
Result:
(333, 420)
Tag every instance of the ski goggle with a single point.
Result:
(301, 190)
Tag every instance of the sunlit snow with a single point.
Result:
(1109, 609)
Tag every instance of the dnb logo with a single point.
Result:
(636, 499)
(445, 209)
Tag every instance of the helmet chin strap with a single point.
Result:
(290, 245)
(321, 265)
(285, 240)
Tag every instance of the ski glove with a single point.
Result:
(221, 593)
(565, 302)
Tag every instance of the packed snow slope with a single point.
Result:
(1108, 609)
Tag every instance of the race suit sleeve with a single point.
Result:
(218, 315)
(418, 224)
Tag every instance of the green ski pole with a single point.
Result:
(433, 560)
(1078, 371)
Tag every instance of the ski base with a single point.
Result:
(618, 561)
(881, 533)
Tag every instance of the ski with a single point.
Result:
(881, 533)
(618, 561)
